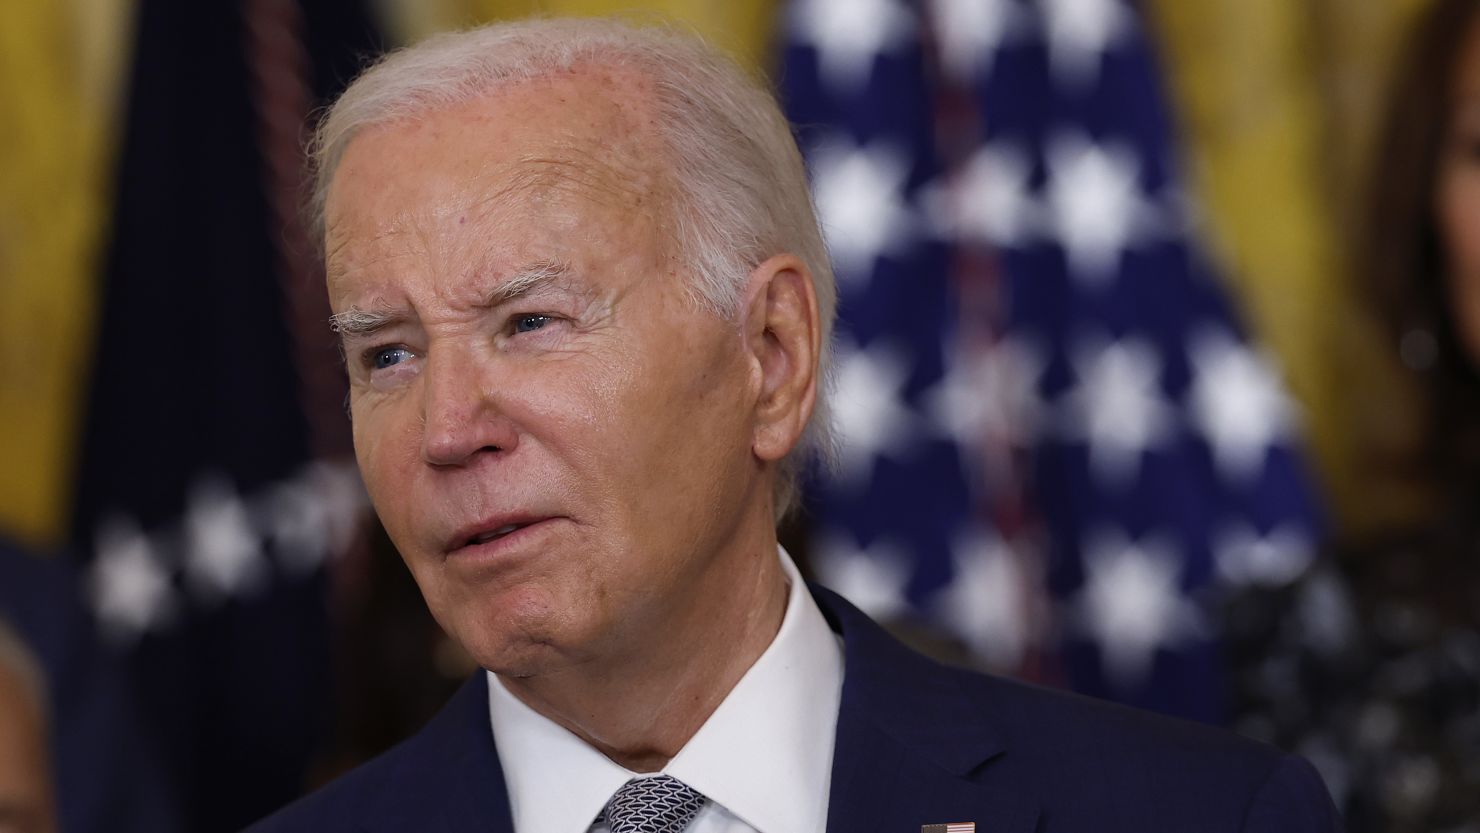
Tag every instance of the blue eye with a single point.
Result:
(388, 356)
(530, 323)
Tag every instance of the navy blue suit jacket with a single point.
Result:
(918, 743)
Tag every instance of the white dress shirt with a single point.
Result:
(763, 758)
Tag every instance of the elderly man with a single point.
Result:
(585, 308)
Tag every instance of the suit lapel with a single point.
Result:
(912, 747)
(449, 780)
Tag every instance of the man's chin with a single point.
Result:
(516, 652)
(520, 661)
(522, 631)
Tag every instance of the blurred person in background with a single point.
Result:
(25, 767)
(62, 690)
(1371, 666)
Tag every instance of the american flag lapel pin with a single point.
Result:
(953, 827)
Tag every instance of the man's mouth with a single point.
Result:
(494, 529)
(493, 534)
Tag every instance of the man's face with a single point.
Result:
(556, 438)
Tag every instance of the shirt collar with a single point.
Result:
(765, 754)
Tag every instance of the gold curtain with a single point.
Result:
(60, 64)
(744, 27)
(1277, 100)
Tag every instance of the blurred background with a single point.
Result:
(1154, 372)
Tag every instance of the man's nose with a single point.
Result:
(463, 417)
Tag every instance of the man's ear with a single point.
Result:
(783, 337)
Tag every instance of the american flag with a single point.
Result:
(1059, 443)
(213, 492)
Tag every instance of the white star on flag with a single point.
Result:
(223, 551)
(868, 407)
(1095, 205)
(1118, 407)
(989, 201)
(1246, 557)
(129, 587)
(971, 31)
(860, 198)
(343, 493)
(848, 35)
(1237, 403)
(316, 515)
(989, 394)
(1079, 33)
(986, 601)
(298, 520)
(1132, 605)
(873, 578)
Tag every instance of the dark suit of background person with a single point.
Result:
(582, 457)
(106, 776)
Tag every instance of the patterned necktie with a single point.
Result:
(661, 804)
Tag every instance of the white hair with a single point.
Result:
(17, 659)
(739, 183)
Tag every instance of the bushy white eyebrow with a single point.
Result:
(359, 322)
(526, 280)
(355, 322)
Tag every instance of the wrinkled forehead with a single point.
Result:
(588, 134)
